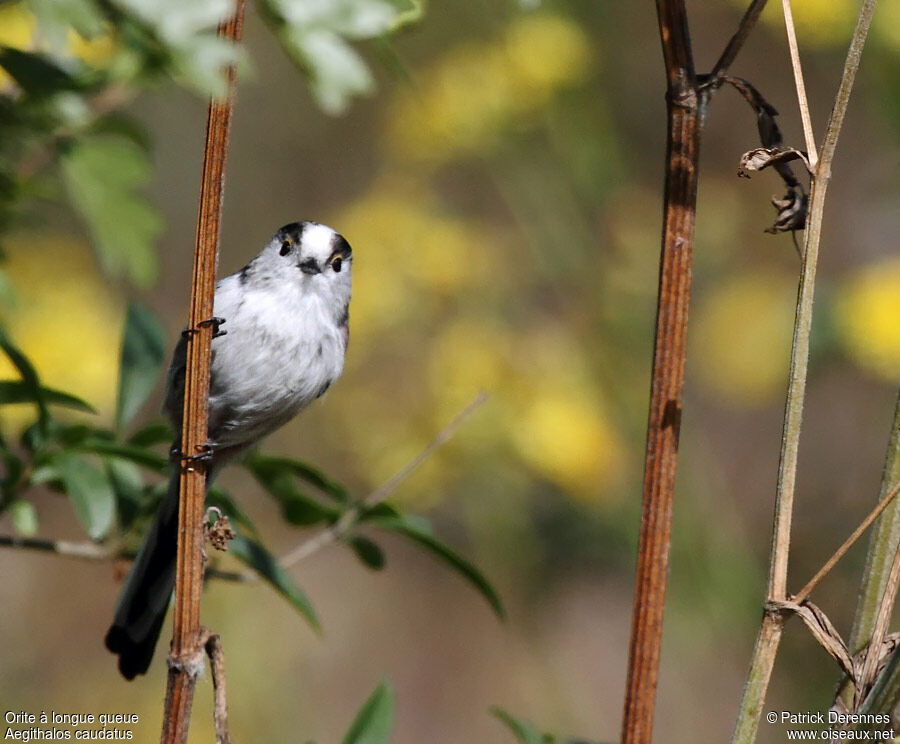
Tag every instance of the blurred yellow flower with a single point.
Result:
(565, 436)
(96, 52)
(468, 356)
(410, 256)
(66, 319)
(886, 24)
(742, 336)
(818, 22)
(18, 30)
(867, 317)
(17, 27)
(481, 88)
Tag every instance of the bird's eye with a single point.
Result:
(336, 264)
(285, 247)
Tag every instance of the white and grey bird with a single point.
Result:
(285, 318)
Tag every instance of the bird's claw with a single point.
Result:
(204, 455)
(215, 322)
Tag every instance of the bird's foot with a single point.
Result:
(215, 322)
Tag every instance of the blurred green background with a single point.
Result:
(501, 190)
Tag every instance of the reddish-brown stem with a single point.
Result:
(186, 656)
(668, 372)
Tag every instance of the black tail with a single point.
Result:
(145, 597)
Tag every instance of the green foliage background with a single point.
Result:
(496, 168)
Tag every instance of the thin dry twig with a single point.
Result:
(820, 626)
(847, 544)
(213, 646)
(87, 551)
(729, 54)
(801, 86)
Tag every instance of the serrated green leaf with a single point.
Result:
(315, 36)
(24, 517)
(337, 72)
(373, 723)
(90, 491)
(264, 563)
(18, 391)
(36, 74)
(188, 33)
(367, 551)
(143, 354)
(157, 432)
(102, 176)
(415, 531)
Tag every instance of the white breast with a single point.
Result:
(282, 350)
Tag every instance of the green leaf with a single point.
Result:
(264, 563)
(157, 432)
(18, 391)
(24, 517)
(418, 532)
(129, 452)
(367, 551)
(36, 74)
(384, 509)
(11, 469)
(528, 734)
(30, 378)
(57, 18)
(90, 491)
(187, 31)
(316, 35)
(128, 487)
(276, 476)
(102, 175)
(375, 719)
(525, 733)
(301, 470)
(143, 354)
(118, 124)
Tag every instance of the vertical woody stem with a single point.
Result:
(668, 372)
(186, 657)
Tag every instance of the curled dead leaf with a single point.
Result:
(763, 157)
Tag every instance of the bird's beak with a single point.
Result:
(309, 266)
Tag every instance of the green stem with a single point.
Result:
(882, 548)
(770, 632)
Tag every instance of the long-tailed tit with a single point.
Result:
(286, 328)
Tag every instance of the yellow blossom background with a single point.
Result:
(502, 194)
